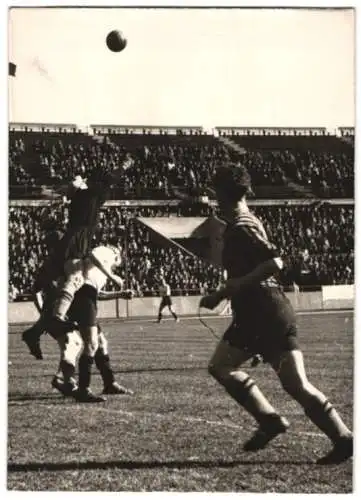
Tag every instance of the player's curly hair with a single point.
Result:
(232, 179)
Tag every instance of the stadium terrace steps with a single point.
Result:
(290, 189)
(288, 164)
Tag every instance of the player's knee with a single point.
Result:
(91, 347)
(102, 342)
(72, 347)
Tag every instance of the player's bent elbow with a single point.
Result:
(218, 372)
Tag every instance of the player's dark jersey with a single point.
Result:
(52, 239)
(85, 207)
(246, 246)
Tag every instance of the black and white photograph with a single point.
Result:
(180, 270)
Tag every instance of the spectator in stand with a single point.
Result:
(157, 164)
(326, 231)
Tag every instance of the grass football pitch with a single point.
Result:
(180, 431)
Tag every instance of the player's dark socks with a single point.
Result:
(68, 370)
(271, 427)
(85, 368)
(65, 388)
(87, 396)
(31, 337)
(174, 315)
(116, 388)
(159, 317)
(326, 418)
(341, 451)
(102, 362)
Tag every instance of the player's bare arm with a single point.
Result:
(261, 272)
(123, 294)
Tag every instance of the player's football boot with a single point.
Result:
(87, 396)
(271, 428)
(33, 343)
(65, 388)
(341, 451)
(116, 388)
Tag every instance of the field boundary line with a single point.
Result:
(153, 319)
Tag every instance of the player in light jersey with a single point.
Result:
(165, 292)
(264, 322)
(83, 311)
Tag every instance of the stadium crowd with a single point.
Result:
(316, 242)
(160, 165)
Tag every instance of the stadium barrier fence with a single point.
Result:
(330, 297)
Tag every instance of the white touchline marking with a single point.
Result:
(210, 317)
(195, 420)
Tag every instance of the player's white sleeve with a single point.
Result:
(93, 275)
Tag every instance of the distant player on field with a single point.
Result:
(165, 292)
(263, 323)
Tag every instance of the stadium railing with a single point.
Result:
(335, 297)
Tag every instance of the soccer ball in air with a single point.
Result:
(116, 42)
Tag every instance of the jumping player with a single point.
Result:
(165, 293)
(75, 246)
(263, 323)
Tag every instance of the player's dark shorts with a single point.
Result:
(75, 244)
(84, 308)
(166, 301)
(264, 322)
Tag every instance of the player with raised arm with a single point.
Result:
(263, 323)
(86, 200)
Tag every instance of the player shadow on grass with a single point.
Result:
(150, 369)
(151, 464)
(17, 399)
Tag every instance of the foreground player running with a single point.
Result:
(263, 323)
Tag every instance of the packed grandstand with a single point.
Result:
(303, 182)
